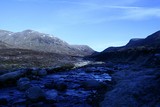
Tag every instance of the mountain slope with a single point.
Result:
(34, 40)
(83, 48)
(4, 45)
(152, 40)
(138, 50)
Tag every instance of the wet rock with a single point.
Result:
(35, 93)
(23, 84)
(42, 72)
(102, 77)
(51, 96)
(3, 101)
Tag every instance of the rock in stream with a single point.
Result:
(68, 88)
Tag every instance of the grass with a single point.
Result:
(20, 58)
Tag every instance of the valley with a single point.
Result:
(39, 70)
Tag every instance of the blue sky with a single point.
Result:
(97, 23)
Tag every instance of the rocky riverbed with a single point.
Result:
(91, 85)
(79, 87)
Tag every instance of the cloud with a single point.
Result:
(141, 13)
(89, 11)
(99, 11)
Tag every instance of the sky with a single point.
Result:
(96, 23)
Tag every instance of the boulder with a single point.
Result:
(23, 84)
(35, 94)
(11, 77)
(51, 96)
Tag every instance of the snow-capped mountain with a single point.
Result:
(30, 39)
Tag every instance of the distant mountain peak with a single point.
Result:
(28, 30)
(5, 31)
(34, 40)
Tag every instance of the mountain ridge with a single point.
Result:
(151, 41)
(34, 40)
(144, 51)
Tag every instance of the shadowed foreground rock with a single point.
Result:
(35, 94)
(134, 89)
(11, 78)
(23, 84)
